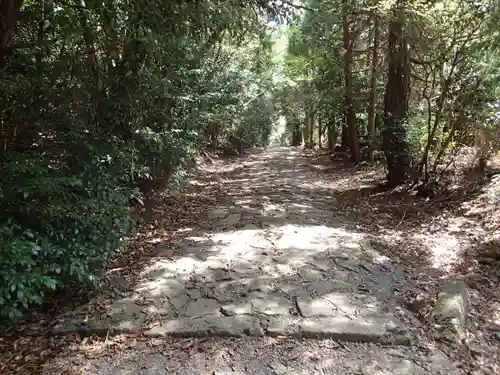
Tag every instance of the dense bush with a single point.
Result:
(98, 99)
(61, 223)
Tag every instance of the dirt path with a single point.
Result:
(270, 264)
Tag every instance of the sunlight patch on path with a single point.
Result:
(275, 260)
(444, 248)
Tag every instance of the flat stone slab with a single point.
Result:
(218, 213)
(452, 307)
(334, 304)
(122, 316)
(382, 329)
(233, 326)
(452, 302)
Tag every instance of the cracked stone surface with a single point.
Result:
(209, 325)
(278, 261)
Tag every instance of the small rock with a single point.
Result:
(400, 333)
(231, 220)
(382, 260)
(403, 338)
(404, 366)
(368, 249)
(218, 213)
(494, 326)
(475, 348)
(219, 274)
(475, 298)
(445, 333)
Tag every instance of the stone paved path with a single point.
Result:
(274, 260)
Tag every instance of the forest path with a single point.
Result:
(263, 258)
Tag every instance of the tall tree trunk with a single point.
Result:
(396, 103)
(296, 131)
(9, 13)
(305, 130)
(320, 132)
(332, 135)
(92, 67)
(350, 114)
(112, 42)
(312, 120)
(344, 138)
(373, 88)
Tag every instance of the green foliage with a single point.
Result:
(453, 50)
(100, 98)
(417, 136)
(60, 224)
(24, 282)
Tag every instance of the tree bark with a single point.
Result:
(296, 132)
(12, 134)
(9, 13)
(93, 115)
(320, 132)
(373, 89)
(312, 120)
(396, 103)
(332, 135)
(350, 114)
(344, 141)
(305, 130)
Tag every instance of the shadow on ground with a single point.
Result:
(259, 249)
(272, 244)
